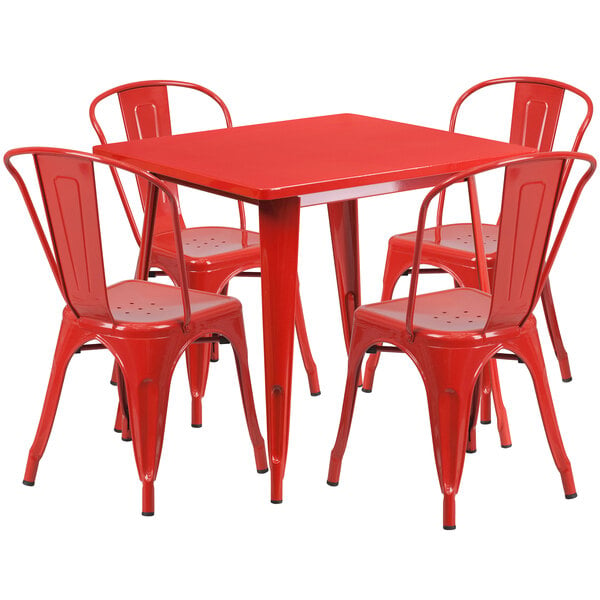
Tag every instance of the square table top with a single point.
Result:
(308, 156)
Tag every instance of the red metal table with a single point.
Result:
(283, 166)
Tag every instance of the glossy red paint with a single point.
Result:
(213, 255)
(536, 110)
(307, 156)
(451, 335)
(326, 160)
(146, 326)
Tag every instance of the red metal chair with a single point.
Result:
(449, 248)
(451, 335)
(213, 255)
(147, 326)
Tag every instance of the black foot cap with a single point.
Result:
(32, 483)
(276, 501)
(148, 514)
(333, 483)
(506, 446)
(486, 422)
(214, 360)
(567, 496)
(113, 383)
(118, 430)
(366, 391)
(449, 527)
(128, 439)
(195, 426)
(471, 451)
(568, 379)
(315, 393)
(261, 471)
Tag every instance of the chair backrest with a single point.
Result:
(536, 110)
(68, 190)
(531, 195)
(146, 114)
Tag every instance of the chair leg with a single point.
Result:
(307, 357)
(197, 359)
(214, 348)
(339, 448)
(530, 350)
(238, 343)
(123, 409)
(395, 265)
(114, 378)
(501, 416)
(486, 391)
(198, 355)
(555, 337)
(475, 405)
(449, 377)
(69, 340)
(147, 369)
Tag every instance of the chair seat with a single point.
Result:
(147, 303)
(458, 237)
(448, 311)
(213, 246)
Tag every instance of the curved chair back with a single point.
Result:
(531, 195)
(74, 251)
(536, 110)
(146, 114)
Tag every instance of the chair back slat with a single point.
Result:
(146, 114)
(68, 191)
(529, 201)
(535, 115)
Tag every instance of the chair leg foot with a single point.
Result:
(147, 498)
(31, 471)
(449, 511)
(568, 484)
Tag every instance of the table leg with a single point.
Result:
(279, 221)
(343, 223)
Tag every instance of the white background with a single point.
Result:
(79, 534)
